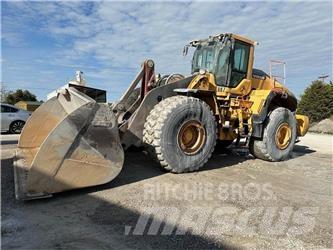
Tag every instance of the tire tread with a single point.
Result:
(155, 123)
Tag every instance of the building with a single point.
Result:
(79, 80)
(28, 105)
(79, 83)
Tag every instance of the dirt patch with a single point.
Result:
(261, 205)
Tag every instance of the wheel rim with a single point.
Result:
(17, 127)
(283, 136)
(191, 137)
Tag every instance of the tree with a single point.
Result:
(3, 93)
(19, 95)
(317, 101)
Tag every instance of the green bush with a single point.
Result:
(317, 101)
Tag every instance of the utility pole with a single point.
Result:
(323, 77)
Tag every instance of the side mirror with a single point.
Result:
(185, 50)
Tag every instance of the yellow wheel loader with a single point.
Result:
(77, 140)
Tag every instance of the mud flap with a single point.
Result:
(69, 142)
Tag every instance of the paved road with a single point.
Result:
(235, 201)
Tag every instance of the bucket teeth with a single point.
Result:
(69, 142)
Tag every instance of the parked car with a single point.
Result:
(13, 118)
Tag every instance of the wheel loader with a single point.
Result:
(76, 139)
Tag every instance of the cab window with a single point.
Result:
(222, 66)
(239, 63)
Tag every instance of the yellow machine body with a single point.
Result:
(243, 101)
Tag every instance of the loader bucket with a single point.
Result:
(69, 142)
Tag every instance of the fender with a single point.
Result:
(277, 97)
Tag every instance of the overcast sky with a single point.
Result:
(43, 44)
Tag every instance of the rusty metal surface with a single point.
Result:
(71, 142)
(134, 94)
(134, 129)
(148, 78)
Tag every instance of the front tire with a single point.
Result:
(181, 131)
(16, 127)
(279, 137)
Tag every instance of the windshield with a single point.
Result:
(203, 58)
(214, 59)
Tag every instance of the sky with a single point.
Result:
(44, 43)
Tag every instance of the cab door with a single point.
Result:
(239, 63)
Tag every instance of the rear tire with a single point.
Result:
(279, 137)
(16, 127)
(181, 132)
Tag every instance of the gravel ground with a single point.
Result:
(324, 126)
(235, 201)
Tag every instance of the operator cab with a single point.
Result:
(226, 56)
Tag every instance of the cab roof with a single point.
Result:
(244, 39)
(219, 37)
